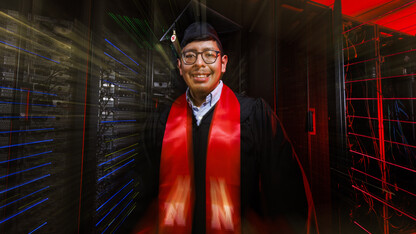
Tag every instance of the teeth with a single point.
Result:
(200, 76)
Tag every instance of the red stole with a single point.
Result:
(176, 194)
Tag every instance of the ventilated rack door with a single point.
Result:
(380, 96)
(35, 91)
(121, 115)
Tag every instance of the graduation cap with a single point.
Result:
(196, 11)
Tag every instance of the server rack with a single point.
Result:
(379, 84)
(37, 73)
(121, 113)
(73, 100)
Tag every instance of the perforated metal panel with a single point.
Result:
(380, 66)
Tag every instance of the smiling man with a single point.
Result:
(220, 162)
(203, 62)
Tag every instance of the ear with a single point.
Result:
(179, 66)
(224, 61)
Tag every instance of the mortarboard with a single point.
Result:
(196, 11)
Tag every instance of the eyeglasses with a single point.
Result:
(209, 56)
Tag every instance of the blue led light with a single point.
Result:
(38, 227)
(20, 185)
(121, 51)
(113, 208)
(28, 143)
(120, 86)
(25, 157)
(52, 94)
(25, 90)
(23, 197)
(17, 172)
(121, 63)
(122, 221)
(30, 52)
(30, 207)
(116, 157)
(30, 104)
(28, 130)
(118, 215)
(115, 170)
(119, 121)
(113, 196)
(24, 117)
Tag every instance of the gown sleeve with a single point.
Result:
(153, 138)
(282, 185)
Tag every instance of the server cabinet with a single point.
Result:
(379, 85)
(73, 97)
(37, 76)
(121, 68)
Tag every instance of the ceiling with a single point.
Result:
(399, 15)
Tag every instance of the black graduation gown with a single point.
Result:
(271, 179)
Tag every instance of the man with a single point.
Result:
(221, 162)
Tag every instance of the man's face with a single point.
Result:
(200, 77)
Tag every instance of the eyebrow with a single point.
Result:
(205, 49)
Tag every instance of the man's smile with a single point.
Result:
(200, 76)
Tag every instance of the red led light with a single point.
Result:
(359, 44)
(363, 61)
(407, 51)
(386, 77)
(403, 98)
(389, 120)
(400, 121)
(361, 227)
(386, 34)
(393, 164)
(357, 99)
(355, 134)
(385, 203)
(361, 117)
(374, 138)
(394, 186)
(398, 143)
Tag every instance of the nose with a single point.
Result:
(199, 61)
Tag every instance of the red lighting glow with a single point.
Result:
(355, 45)
(400, 20)
(387, 77)
(363, 61)
(383, 161)
(396, 15)
(407, 51)
(382, 18)
(394, 186)
(389, 120)
(360, 135)
(385, 34)
(385, 203)
(361, 227)
(374, 99)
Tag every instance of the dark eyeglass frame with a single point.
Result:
(200, 53)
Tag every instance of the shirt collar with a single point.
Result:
(211, 98)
